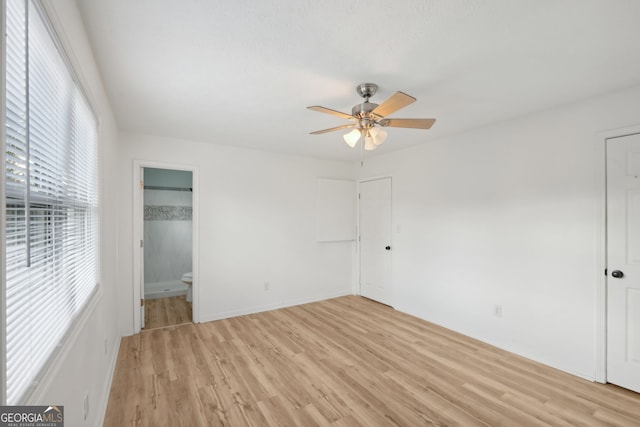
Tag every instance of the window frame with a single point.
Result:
(64, 210)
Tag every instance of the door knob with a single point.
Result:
(617, 274)
(388, 248)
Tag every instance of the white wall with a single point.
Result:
(86, 361)
(507, 215)
(257, 225)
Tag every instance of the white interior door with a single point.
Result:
(375, 240)
(623, 260)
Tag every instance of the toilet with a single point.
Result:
(187, 279)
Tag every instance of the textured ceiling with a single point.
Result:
(242, 71)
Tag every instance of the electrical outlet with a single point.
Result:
(266, 286)
(497, 310)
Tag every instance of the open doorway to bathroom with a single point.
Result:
(167, 201)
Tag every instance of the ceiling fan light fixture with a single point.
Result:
(368, 143)
(352, 137)
(379, 136)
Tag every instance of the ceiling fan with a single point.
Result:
(368, 118)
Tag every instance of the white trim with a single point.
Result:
(487, 340)
(600, 374)
(601, 248)
(618, 133)
(138, 234)
(268, 307)
(358, 284)
(102, 406)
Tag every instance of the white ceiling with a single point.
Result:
(242, 71)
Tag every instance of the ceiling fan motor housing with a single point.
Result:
(363, 111)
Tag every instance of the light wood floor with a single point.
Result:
(345, 362)
(161, 312)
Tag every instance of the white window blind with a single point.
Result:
(51, 198)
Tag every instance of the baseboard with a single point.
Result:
(268, 307)
(507, 348)
(102, 409)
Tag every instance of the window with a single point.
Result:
(51, 198)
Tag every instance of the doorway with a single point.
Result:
(167, 247)
(375, 240)
(623, 261)
(165, 257)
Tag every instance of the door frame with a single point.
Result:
(601, 247)
(358, 259)
(138, 235)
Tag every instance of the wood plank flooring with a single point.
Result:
(161, 312)
(345, 362)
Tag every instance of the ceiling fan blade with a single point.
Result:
(330, 111)
(318, 132)
(395, 102)
(408, 123)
